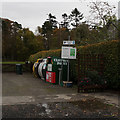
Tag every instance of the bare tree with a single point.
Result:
(102, 13)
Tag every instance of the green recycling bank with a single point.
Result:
(55, 71)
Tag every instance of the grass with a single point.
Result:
(12, 62)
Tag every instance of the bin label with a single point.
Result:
(50, 77)
(58, 61)
(49, 68)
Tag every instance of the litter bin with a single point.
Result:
(18, 68)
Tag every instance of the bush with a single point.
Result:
(44, 54)
(96, 77)
(110, 51)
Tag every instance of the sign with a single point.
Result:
(58, 61)
(68, 52)
(65, 52)
(50, 77)
(49, 68)
(68, 42)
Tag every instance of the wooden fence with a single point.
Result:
(12, 67)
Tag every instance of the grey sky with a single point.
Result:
(119, 10)
(33, 14)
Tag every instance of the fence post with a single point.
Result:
(78, 72)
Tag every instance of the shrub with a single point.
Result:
(96, 77)
(110, 51)
(44, 54)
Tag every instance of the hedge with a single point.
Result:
(110, 51)
(44, 54)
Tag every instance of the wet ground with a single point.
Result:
(27, 97)
(76, 109)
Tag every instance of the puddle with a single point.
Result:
(46, 108)
(63, 97)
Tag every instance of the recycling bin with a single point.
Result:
(35, 67)
(42, 69)
(56, 70)
(19, 69)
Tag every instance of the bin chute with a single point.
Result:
(42, 69)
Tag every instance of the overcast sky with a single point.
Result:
(33, 13)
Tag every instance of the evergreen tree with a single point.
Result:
(76, 17)
(47, 29)
(65, 22)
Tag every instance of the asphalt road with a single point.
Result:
(28, 85)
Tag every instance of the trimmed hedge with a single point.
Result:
(108, 49)
(44, 54)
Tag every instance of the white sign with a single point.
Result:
(49, 67)
(68, 42)
(68, 52)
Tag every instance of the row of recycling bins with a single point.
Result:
(51, 69)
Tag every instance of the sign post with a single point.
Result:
(68, 52)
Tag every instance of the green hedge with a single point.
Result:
(43, 54)
(108, 49)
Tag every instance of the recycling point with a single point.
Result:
(51, 69)
(55, 70)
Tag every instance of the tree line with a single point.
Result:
(19, 43)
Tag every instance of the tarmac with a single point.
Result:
(25, 89)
